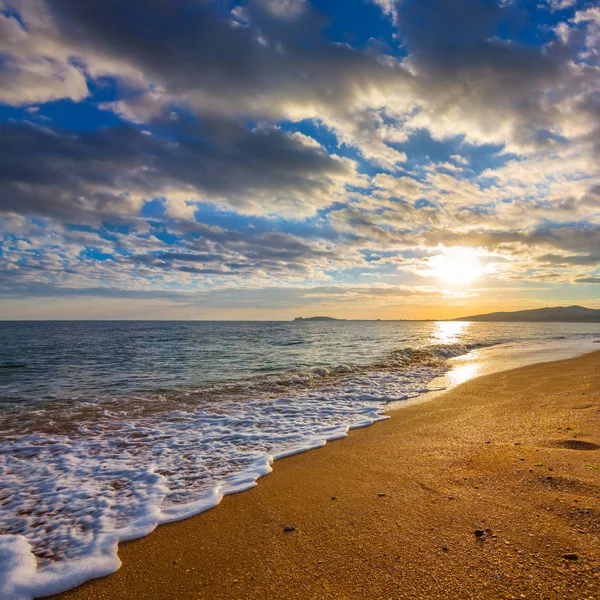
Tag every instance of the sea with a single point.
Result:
(108, 429)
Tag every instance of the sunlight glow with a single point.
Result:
(450, 332)
(463, 373)
(458, 266)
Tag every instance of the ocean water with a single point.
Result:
(109, 428)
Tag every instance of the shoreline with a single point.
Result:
(241, 549)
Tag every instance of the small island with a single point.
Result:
(317, 319)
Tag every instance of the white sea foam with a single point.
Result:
(68, 497)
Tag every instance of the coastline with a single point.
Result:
(445, 468)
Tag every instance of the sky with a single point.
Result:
(209, 159)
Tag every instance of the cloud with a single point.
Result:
(459, 76)
(404, 188)
(493, 90)
(388, 7)
(560, 4)
(114, 171)
(180, 257)
(30, 74)
(202, 56)
(253, 147)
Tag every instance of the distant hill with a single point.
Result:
(316, 319)
(556, 314)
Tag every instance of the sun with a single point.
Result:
(458, 266)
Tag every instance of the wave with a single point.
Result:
(12, 365)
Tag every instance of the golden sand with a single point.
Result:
(488, 491)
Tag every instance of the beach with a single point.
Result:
(281, 282)
(490, 490)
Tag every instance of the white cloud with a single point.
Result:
(561, 4)
(388, 8)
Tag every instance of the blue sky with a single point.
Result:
(276, 158)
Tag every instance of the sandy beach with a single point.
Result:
(491, 490)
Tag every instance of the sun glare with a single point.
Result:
(450, 332)
(458, 266)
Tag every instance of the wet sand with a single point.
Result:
(491, 490)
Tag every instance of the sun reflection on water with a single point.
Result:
(450, 332)
(456, 332)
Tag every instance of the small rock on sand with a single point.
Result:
(570, 556)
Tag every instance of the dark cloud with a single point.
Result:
(583, 240)
(165, 257)
(271, 253)
(110, 171)
(558, 260)
(255, 62)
